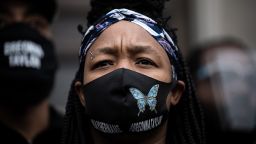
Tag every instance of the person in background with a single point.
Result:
(28, 66)
(224, 75)
(131, 85)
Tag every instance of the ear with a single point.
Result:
(175, 95)
(79, 91)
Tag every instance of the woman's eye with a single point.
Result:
(102, 64)
(145, 62)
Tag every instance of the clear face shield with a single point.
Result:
(232, 76)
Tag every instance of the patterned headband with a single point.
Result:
(145, 22)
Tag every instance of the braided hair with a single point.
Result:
(150, 8)
(185, 122)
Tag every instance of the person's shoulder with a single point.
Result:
(10, 136)
(53, 133)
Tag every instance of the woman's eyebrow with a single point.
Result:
(133, 50)
(106, 50)
(143, 49)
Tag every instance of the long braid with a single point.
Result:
(75, 120)
(69, 130)
(192, 112)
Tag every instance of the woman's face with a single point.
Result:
(126, 45)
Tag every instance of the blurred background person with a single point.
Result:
(28, 66)
(224, 74)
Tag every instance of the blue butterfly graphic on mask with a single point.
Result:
(143, 100)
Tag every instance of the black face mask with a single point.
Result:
(28, 65)
(124, 101)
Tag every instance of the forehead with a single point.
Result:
(125, 33)
(14, 9)
(9, 7)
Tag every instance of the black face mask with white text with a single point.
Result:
(124, 101)
(28, 65)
